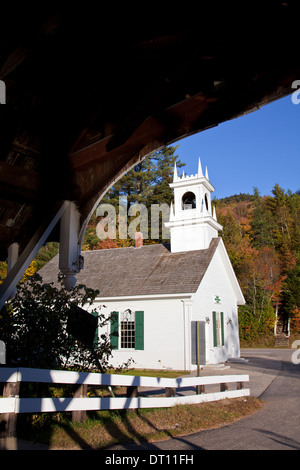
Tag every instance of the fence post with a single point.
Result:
(239, 385)
(170, 392)
(200, 389)
(223, 387)
(80, 415)
(132, 392)
(8, 426)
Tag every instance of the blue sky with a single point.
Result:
(256, 150)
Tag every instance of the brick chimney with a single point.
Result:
(138, 239)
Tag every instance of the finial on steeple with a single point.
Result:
(206, 174)
(200, 174)
(175, 176)
(214, 213)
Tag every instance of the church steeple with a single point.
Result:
(193, 222)
(200, 173)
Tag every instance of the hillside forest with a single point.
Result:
(261, 234)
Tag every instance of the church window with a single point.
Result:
(218, 328)
(188, 201)
(127, 330)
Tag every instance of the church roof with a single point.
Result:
(148, 270)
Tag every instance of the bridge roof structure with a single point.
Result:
(89, 93)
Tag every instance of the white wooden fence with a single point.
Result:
(33, 405)
(12, 403)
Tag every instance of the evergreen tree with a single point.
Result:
(262, 224)
(282, 219)
(293, 203)
(163, 166)
(147, 184)
(46, 253)
(291, 291)
(262, 240)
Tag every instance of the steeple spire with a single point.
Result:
(200, 173)
(175, 176)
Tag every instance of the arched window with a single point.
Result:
(188, 201)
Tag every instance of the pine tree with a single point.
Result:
(147, 184)
(293, 202)
(282, 218)
(262, 223)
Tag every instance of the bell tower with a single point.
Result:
(193, 222)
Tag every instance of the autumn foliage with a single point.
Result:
(262, 236)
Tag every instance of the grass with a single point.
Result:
(264, 341)
(103, 429)
(166, 373)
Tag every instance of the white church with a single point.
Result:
(162, 295)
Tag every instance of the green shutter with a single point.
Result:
(96, 338)
(215, 329)
(139, 330)
(222, 327)
(114, 330)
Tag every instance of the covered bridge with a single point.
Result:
(89, 93)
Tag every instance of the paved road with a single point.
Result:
(275, 379)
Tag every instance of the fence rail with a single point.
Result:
(11, 404)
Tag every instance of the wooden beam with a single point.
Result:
(17, 179)
(169, 88)
(28, 254)
(144, 109)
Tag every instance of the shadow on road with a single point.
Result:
(280, 439)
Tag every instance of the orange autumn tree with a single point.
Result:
(262, 282)
(261, 246)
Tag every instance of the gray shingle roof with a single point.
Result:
(150, 269)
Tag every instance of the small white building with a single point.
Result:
(157, 292)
